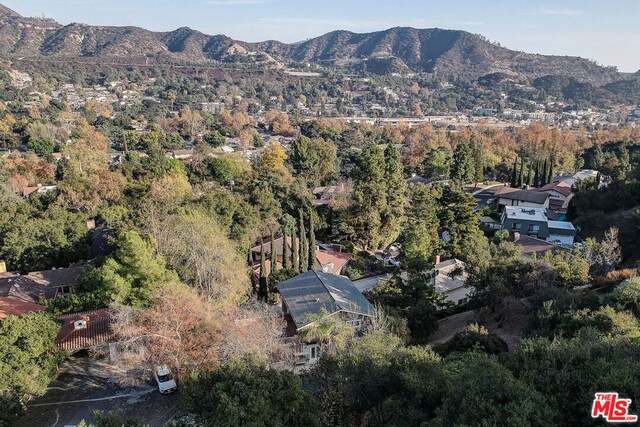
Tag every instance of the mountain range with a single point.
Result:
(396, 50)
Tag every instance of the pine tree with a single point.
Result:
(462, 164)
(274, 254)
(312, 243)
(369, 195)
(304, 245)
(514, 174)
(295, 255)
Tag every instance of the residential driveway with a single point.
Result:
(86, 385)
(483, 196)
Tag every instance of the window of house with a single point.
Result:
(534, 228)
(515, 226)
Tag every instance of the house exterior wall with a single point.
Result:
(562, 239)
(526, 227)
(456, 295)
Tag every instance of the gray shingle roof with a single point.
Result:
(522, 195)
(310, 292)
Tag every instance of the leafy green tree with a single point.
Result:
(28, 360)
(33, 240)
(246, 393)
(223, 169)
(376, 378)
(314, 160)
(41, 147)
(214, 138)
(568, 371)
(626, 296)
(473, 338)
(482, 392)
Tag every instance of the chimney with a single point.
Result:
(437, 261)
(81, 323)
(91, 224)
(3, 267)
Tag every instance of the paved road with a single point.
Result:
(85, 386)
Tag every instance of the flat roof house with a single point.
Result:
(535, 223)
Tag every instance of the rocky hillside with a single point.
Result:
(445, 52)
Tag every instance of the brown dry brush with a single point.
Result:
(186, 332)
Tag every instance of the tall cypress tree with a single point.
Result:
(312, 243)
(392, 215)
(536, 177)
(262, 287)
(295, 255)
(521, 173)
(250, 263)
(514, 173)
(550, 174)
(304, 245)
(529, 175)
(286, 258)
(545, 173)
(274, 254)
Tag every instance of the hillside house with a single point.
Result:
(535, 223)
(507, 196)
(85, 331)
(560, 194)
(315, 293)
(449, 278)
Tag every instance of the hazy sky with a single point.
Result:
(607, 31)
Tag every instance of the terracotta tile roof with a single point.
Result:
(98, 330)
(16, 307)
(561, 187)
(338, 259)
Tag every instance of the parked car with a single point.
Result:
(166, 383)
